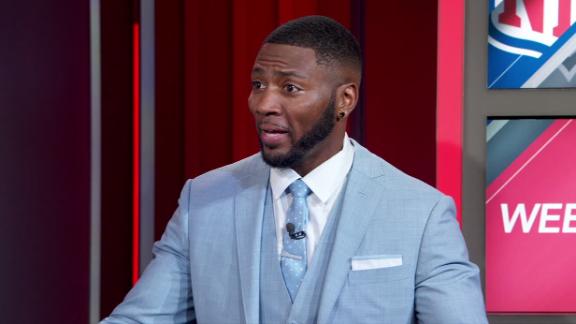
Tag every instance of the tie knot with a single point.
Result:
(299, 189)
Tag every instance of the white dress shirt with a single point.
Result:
(325, 181)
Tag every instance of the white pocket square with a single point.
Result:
(371, 262)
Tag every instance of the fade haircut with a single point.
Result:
(332, 42)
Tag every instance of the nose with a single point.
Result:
(264, 102)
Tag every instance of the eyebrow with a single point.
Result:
(285, 74)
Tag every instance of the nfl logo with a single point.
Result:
(532, 44)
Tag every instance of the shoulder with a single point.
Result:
(237, 170)
(395, 182)
(229, 178)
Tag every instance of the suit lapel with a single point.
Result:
(248, 213)
(361, 200)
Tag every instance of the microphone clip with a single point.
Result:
(294, 235)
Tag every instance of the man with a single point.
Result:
(314, 228)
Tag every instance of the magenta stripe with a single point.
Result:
(450, 79)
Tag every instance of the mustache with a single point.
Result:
(265, 125)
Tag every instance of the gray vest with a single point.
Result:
(275, 303)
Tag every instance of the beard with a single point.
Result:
(317, 134)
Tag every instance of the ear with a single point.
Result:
(346, 98)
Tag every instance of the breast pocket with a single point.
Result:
(380, 268)
(378, 275)
(384, 295)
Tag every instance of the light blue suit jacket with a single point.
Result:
(206, 265)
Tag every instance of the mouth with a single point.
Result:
(273, 135)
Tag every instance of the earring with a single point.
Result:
(340, 116)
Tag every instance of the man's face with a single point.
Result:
(293, 103)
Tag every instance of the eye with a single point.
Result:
(290, 88)
(257, 84)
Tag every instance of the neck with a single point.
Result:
(320, 154)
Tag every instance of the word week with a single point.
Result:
(553, 217)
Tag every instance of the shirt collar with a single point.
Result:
(324, 180)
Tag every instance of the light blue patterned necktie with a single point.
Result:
(293, 260)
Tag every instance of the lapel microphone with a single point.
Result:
(294, 235)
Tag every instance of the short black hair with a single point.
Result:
(332, 42)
